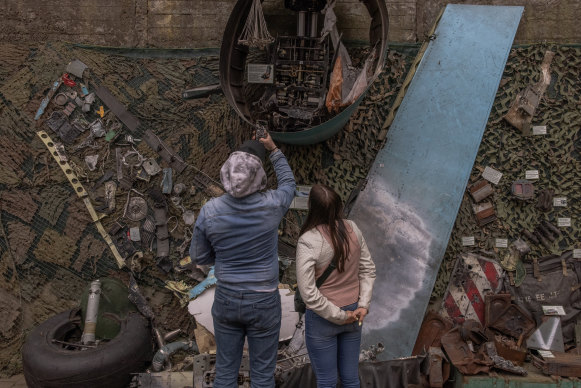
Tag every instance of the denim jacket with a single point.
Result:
(240, 235)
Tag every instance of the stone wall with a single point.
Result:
(197, 23)
(543, 20)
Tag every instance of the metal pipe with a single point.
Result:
(313, 32)
(171, 335)
(162, 355)
(301, 23)
(88, 336)
(158, 338)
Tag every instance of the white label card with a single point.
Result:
(560, 201)
(303, 190)
(532, 174)
(301, 203)
(546, 353)
(577, 253)
(501, 243)
(553, 310)
(539, 130)
(563, 222)
(468, 241)
(491, 175)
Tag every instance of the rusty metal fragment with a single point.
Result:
(481, 190)
(439, 367)
(465, 359)
(433, 327)
(509, 349)
(520, 114)
(514, 321)
(484, 213)
(561, 364)
(494, 305)
(545, 200)
(522, 189)
(531, 237)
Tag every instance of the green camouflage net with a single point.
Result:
(49, 247)
(556, 156)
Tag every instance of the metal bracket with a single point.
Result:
(81, 193)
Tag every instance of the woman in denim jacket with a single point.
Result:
(336, 310)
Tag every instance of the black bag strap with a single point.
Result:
(326, 274)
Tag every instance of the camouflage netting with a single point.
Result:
(49, 247)
(556, 156)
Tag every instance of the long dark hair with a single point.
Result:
(326, 209)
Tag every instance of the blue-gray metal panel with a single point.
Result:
(416, 184)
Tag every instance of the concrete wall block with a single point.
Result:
(221, 9)
(355, 34)
(543, 20)
(171, 21)
(175, 7)
(153, 22)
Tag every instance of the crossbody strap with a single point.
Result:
(326, 274)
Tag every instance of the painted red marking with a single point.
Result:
(452, 309)
(476, 300)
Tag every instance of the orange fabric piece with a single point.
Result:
(333, 101)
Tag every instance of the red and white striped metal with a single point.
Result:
(473, 277)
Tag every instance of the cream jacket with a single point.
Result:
(314, 252)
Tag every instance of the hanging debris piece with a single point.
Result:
(255, 32)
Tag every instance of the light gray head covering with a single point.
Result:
(242, 174)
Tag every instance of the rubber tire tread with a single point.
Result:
(109, 365)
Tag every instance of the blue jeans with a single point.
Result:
(333, 348)
(255, 315)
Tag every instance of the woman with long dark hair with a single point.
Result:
(335, 310)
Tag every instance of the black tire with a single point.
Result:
(48, 364)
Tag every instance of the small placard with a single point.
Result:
(468, 241)
(303, 190)
(539, 130)
(491, 175)
(563, 222)
(134, 234)
(301, 203)
(260, 73)
(532, 174)
(560, 201)
(577, 253)
(501, 243)
(553, 310)
(546, 353)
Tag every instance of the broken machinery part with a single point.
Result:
(522, 189)
(160, 213)
(164, 151)
(522, 111)
(481, 190)
(117, 108)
